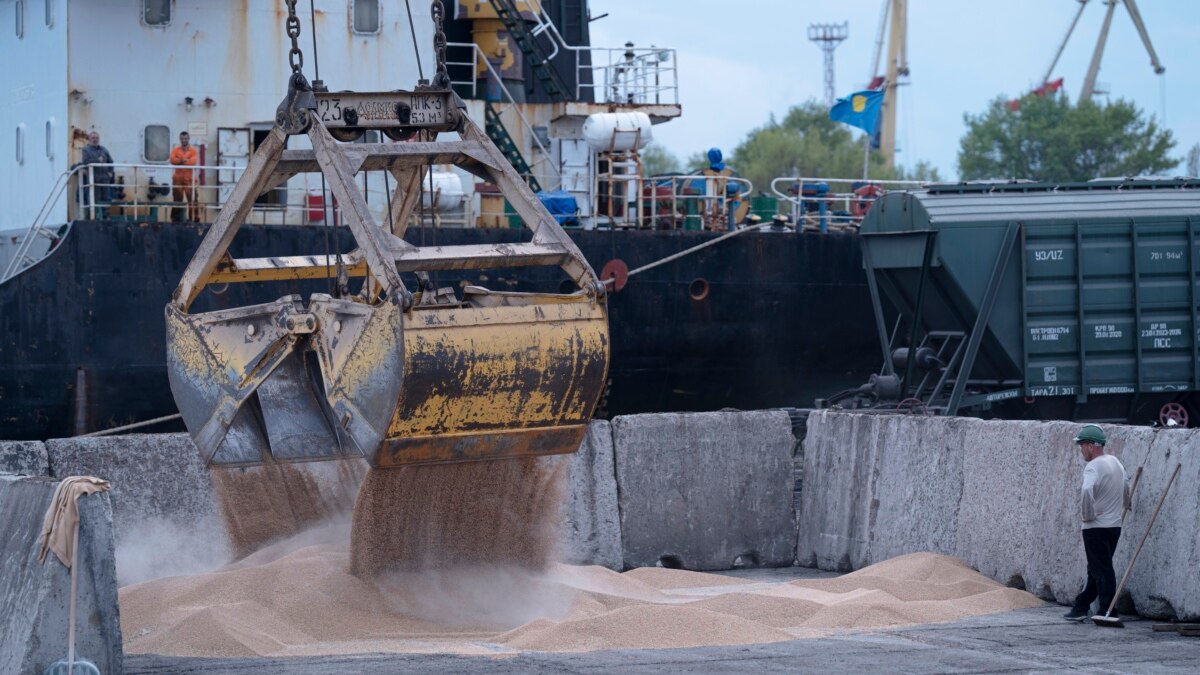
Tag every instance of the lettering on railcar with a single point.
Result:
(1048, 333)
(1174, 254)
(1110, 390)
(1049, 254)
(1108, 331)
(1053, 390)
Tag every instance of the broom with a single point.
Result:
(1107, 619)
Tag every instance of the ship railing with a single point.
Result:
(300, 201)
(670, 201)
(628, 75)
(822, 204)
(543, 168)
(625, 75)
(135, 194)
(23, 256)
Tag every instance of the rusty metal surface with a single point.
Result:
(435, 110)
(215, 362)
(361, 352)
(449, 448)
(450, 380)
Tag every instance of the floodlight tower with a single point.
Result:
(828, 36)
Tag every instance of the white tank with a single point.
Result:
(449, 187)
(617, 131)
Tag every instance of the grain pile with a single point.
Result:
(298, 598)
(500, 513)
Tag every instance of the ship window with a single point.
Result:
(20, 144)
(156, 143)
(20, 18)
(156, 12)
(50, 139)
(49, 13)
(365, 16)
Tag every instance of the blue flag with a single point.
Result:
(860, 109)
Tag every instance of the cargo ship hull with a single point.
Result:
(760, 320)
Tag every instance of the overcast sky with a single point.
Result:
(740, 61)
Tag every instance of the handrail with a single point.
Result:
(641, 208)
(635, 60)
(17, 263)
(84, 188)
(478, 56)
(746, 186)
(816, 207)
(797, 199)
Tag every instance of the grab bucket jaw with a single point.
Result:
(382, 374)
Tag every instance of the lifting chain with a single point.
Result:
(438, 11)
(295, 56)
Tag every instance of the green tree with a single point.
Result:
(1050, 139)
(697, 160)
(657, 160)
(805, 143)
(922, 171)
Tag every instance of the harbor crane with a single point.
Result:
(1089, 81)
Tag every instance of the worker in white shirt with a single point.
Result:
(1103, 498)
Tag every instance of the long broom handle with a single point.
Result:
(1137, 478)
(71, 619)
(1125, 577)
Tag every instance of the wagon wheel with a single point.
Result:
(1173, 415)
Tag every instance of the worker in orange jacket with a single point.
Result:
(184, 179)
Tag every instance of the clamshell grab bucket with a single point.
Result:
(389, 375)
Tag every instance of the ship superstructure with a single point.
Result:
(139, 72)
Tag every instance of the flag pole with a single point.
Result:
(866, 154)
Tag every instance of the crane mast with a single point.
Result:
(897, 67)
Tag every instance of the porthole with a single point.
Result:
(698, 289)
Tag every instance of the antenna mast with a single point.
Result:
(828, 36)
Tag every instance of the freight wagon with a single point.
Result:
(1032, 300)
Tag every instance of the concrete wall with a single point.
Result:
(591, 519)
(153, 476)
(35, 596)
(1001, 495)
(25, 458)
(705, 491)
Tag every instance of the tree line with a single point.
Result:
(1045, 138)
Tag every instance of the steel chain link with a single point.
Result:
(295, 56)
(438, 11)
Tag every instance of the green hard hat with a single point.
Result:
(1091, 433)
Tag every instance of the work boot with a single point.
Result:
(1076, 615)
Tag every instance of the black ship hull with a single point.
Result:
(761, 320)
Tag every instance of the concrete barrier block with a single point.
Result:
(25, 458)
(918, 486)
(35, 596)
(836, 504)
(1163, 583)
(591, 519)
(1001, 495)
(703, 490)
(166, 515)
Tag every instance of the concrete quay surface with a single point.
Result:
(1026, 641)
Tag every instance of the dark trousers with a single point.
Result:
(1099, 543)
